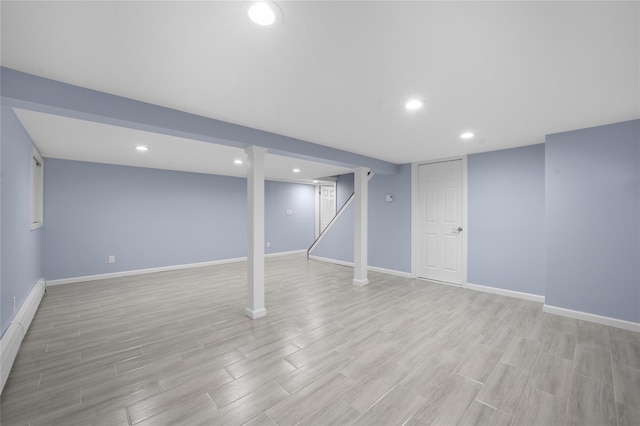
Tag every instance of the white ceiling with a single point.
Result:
(338, 73)
(73, 139)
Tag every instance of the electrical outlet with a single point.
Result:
(289, 212)
(268, 244)
(112, 259)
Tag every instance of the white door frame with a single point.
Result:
(317, 204)
(415, 216)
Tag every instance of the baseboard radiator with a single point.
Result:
(12, 338)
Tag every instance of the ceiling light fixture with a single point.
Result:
(262, 13)
(237, 161)
(296, 170)
(414, 104)
(466, 135)
(142, 148)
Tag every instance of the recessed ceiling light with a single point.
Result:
(467, 135)
(262, 13)
(414, 104)
(316, 181)
(296, 170)
(237, 161)
(142, 148)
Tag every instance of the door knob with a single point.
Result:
(457, 230)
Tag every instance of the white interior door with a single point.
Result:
(440, 198)
(327, 205)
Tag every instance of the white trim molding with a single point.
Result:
(12, 338)
(142, 271)
(37, 190)
(370, 268)
(255, 314)
(162, 269)
(415, 219)
(329, 260)
(598, 319)
(390, 272)
(286, 253)
(465, 219)
(504, 292)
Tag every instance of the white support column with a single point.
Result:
(255, 232)
(361, 189)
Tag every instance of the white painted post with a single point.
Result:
(255, 232)
(361, 189)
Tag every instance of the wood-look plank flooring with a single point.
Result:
(176, 348)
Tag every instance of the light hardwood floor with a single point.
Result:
(176, 348)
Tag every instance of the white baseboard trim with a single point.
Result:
(370, 268)
(598, 319)
(391, 272)
(142, 271)
(503, 292)
(12, 338)
(255, 314)
(286, 253)
(334, 261)
(161, 269)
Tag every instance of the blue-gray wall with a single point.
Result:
(389, 239)
(344, 188)
(389, 236)
(337, 244)
(592, 220)
(151, 218)
(288, 232)
(506, 219)
(21, 248)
